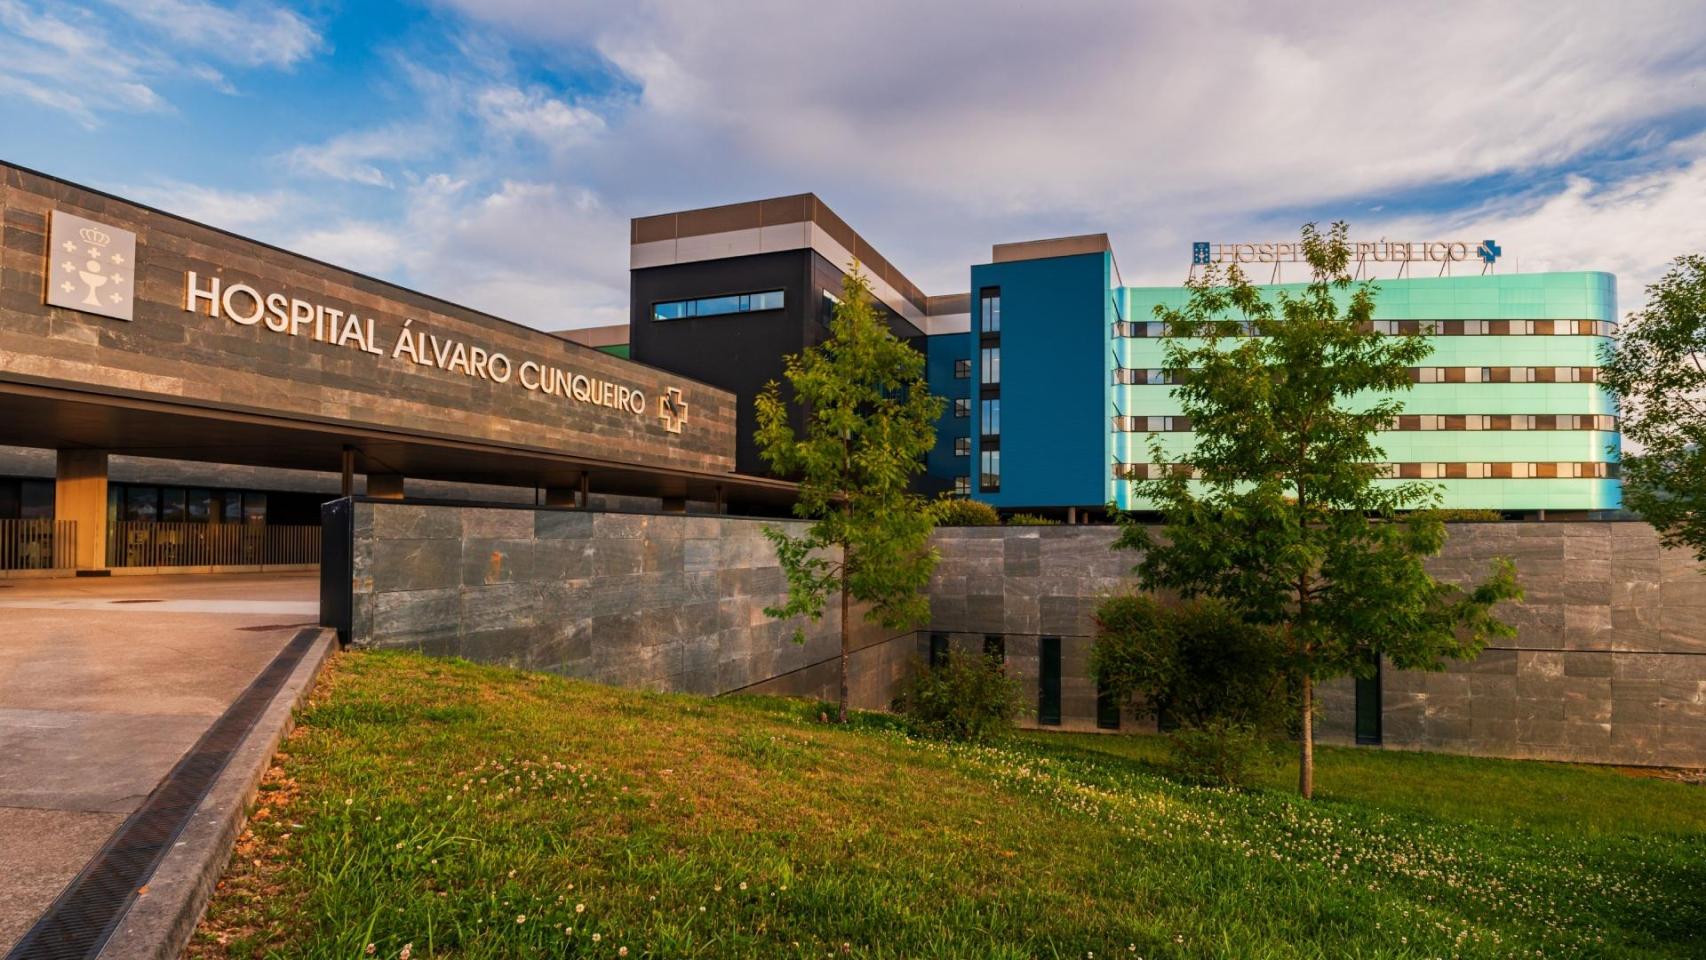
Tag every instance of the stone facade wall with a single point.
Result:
(192, 359)
(661, 601)
(1608, 665)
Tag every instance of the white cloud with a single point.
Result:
(1633, 227)
(249, 34)
(515, 112)
(82, 63)
(226, 209)
(371, 248)
(70, 64)
(533, 253)
(915, 119)
(359, 156)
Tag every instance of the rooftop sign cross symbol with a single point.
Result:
(1488, 251)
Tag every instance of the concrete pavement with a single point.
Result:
(104, 684)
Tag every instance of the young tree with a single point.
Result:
(1657, 372)
(1284, 520)
(870, 419)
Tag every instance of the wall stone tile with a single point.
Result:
(416, 564)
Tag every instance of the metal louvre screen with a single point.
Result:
(151, 544)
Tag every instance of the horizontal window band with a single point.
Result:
(1153, 329)
(1161, 376)
(718, 306)
(1544, 470)
(1409, 422)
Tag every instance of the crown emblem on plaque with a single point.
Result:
(672, 410)
(89, 266)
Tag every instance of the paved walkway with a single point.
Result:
(104, 684)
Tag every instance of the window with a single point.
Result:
(962, 406)
(718, 306)
(995, 647)
(35, 499)
(990, 419)
(991, 365)
(254, 507)
(990, 310)
(938, 650)
(962, 369)
(962, 486)
(989, 471)
(172, 505)
(962, 446)
(142, 504)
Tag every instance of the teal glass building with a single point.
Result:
(1506, 414)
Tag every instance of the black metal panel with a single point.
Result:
(744, 351)
(79, 922)
(1368, 707)
(1107, 709)
(337, 566)
(1048, 681)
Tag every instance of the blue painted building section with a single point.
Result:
(1508, 413)
(1056, 342)
(942, 354)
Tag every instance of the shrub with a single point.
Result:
(1219, 753)
(967, 697)
(1030, 520)
(1191, 662)
(1465, 515)
(961, 512)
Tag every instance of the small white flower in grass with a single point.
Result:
(580, 908)
(621, 951)
(597, 937)
(743, 884)
(521, 918)
(348, 801)
(372, 947)
(408, 949)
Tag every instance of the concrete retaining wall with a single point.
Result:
(663, 602)
(1609, 663)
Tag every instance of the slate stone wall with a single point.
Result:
(167, 353)
(661, 601)
(1608, 665)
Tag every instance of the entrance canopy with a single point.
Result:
(127, 330)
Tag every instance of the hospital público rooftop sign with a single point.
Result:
(1379, 251)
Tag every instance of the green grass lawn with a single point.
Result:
(469, 811)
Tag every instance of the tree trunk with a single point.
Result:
(1306, 743)
(846, 635)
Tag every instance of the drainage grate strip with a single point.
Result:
(88, 910)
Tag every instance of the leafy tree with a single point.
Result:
(1191, 662)
(1658, 374)
(870, 419)
(1284, 520)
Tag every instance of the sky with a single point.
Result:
(491, 152)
